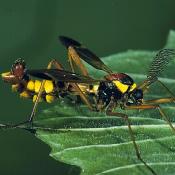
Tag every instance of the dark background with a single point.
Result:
(29, 29)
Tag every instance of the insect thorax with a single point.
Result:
(107, 90)
(115, 87)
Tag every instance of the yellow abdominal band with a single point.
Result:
(123, 87)
(24, 94)
(35, 85)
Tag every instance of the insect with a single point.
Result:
(119, 89)
(22, 82)
(49, 89)
(113, 91)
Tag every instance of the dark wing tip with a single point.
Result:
(84, 53)
(66, 41)
(92, 59)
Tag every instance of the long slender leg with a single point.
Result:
(166, 88)
(163, 115)
(82, 95)
(56, 64)
(125, 117)
(160, 100)
(51, 63)
(74, 58)
(76, 87)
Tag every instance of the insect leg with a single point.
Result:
(166, 88)
(56, 64)
(76, 87)
(51, 63)
(82, 95)
(145, 106)
(74, 58)
(126, 118)
(160, 100)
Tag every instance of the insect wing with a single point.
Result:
(60, 75)
(84, 53)
(66, 41)
(91, 59)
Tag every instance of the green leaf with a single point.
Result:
(100, 144)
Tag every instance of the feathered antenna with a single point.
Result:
(160, 61)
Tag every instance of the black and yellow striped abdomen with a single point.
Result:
(30, 89)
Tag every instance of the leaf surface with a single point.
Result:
(100, 144)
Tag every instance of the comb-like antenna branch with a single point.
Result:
(158, 64)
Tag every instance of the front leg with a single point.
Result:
(160, 100)
(125, 117)
(147, 106)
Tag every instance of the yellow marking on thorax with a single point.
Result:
(133, 87)
(123, 87)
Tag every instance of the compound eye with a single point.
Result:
(139, 94)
